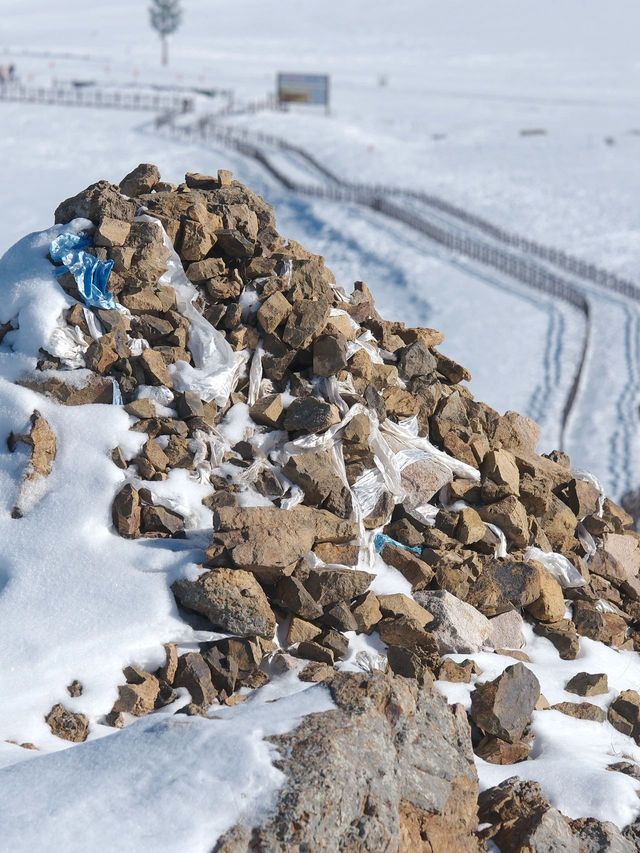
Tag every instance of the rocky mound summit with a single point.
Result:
(370, 525)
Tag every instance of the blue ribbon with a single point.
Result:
(90, 273)
(381, 539)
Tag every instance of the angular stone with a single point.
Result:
(269, 541)
(311, 650)
(417, 360)
(367, 613)
(398, 604)
(193, 673)
(606, 627)
(503, 707)
(231, 599)
(234, 244)
(497, 751)
(581, 711)
(309, 414)
(506, 631)
(196, 242)
(595, 836)
(624, 714)
(500, 467)
(416, 571)
(342, 555)
(67, 725)
(470, 528)
(563, 636)
(94, 203)
(458, 673)
(322, 487)
(338, 760)
(111, 232)
(167, 672)
(268, 411)
(329, 586)
(294, 597)
(457, 627)
(339, 617)
(273, 312)
(139, 695)
(141, 180)
(305, 322)
(588, 684)
(329, 355)
(126, 512)
(618, 560)
(511, 517)
(300, 630)
(521, 819)
(549, 606)
(159, 521)
(41, 439)
(97, 389)
(155, 368)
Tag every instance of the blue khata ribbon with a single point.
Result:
(90, 273)
(381, 539)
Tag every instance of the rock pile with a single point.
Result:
(325, 434)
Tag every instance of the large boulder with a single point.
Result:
(390, 768)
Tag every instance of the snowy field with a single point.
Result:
(425, 94)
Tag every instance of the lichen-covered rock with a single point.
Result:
(389, 769)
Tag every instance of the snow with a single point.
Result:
(462, 80)
(564, 745)
(158, 779)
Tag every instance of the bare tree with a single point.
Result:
(166, 17)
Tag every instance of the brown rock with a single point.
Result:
(416, 571)
(497, 751)
(342, 555)
(139, 695)
(581, 711)
(158, 521)
(309, 414)
(193, 673)
(126, 512)
(329, 586)
(401, 605)
(270, 542)
(231, 599)
(503, 707)
(618, 560)
(74, 689)
(459, 673)
(470, 528)
(563, 636)
(590, 622)
(168, 670)
(314, 651)
(550, 606)
(111, 232)
(511, 517)
(94, 203)
(97, 389)
(500, 467)
(367, 613)
(273, 312)
(300, 630)
(294, 597)
(322, 487)
(155, 368)
(329, 355)
(141, 180)
(624, 714)
(305, 322)
(41, 439)
(67, 725)
(588, 684)
(268, 411)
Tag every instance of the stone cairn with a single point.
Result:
(326, 387)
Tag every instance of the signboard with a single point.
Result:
(310, 89)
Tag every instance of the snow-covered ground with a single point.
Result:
(424, 93)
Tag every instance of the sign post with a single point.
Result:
(311, 89)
